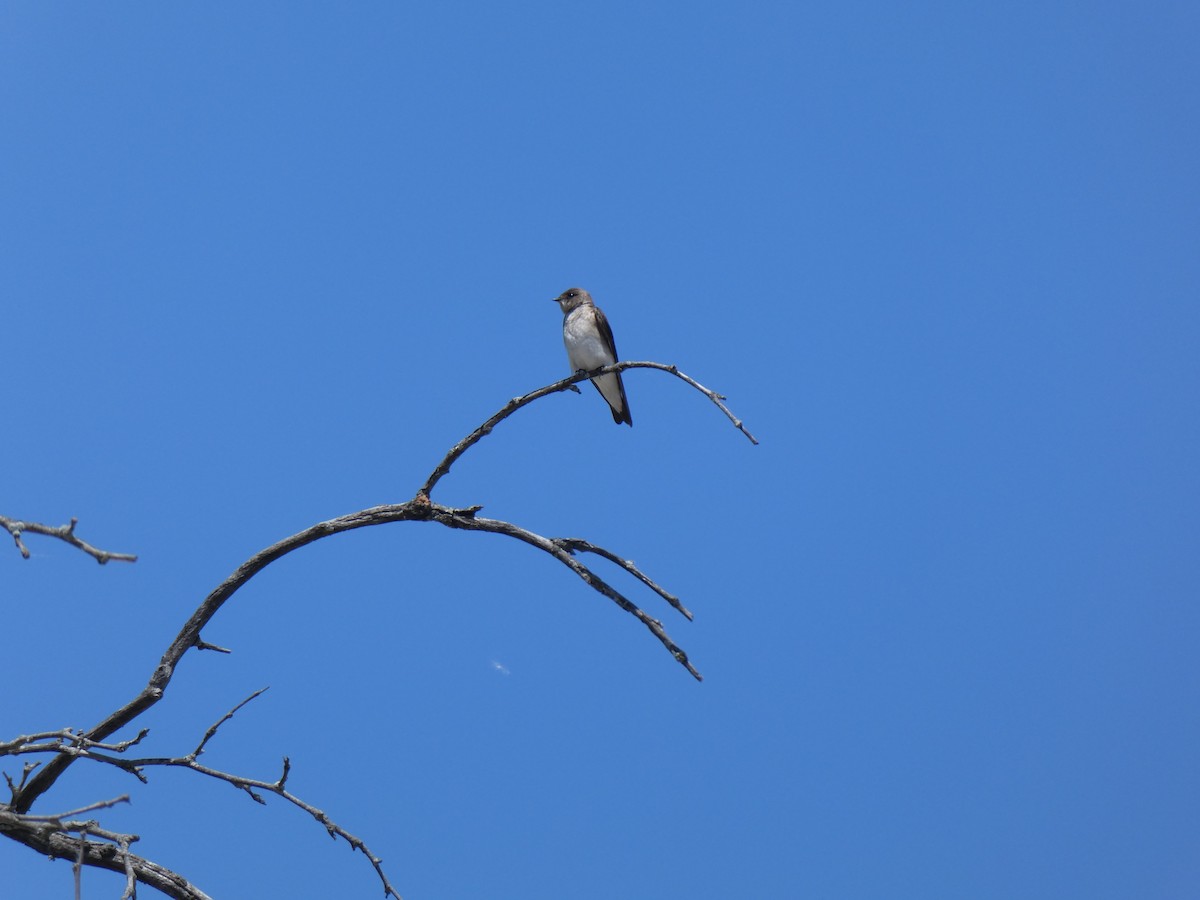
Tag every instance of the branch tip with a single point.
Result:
(65, 533)
(201, 644)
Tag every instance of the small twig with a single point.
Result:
(26, 770)
(64, 533)
(8, 748)
(205, 645)
(212, 730)
(712, 395)
(65, 740)
(56, 819)
(130, 892)
(121, 746)
(77, 866)
(573, 544)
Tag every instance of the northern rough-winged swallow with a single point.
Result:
(590, 345)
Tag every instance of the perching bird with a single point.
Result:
(590, 345)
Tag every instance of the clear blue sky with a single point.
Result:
(263, 263)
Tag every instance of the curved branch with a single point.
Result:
(419, 508)
(189, 635)
(564, 385)
(64, 533)
(468, 521)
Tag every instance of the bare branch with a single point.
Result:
(66, 533)
(573, 544)
(252, 785)
(64, 740)
(418, 509)
(564, 385)
(456, 519)
(16, 745)
(77, 869)
(26, 771)
(80, 747)
(49, 841)
(58, 818)
(130, 891)
(225, 718)
(716, 398)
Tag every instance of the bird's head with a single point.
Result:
(573, 298)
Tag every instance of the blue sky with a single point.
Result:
(263, 264)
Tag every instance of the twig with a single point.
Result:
(130, 892)
(9, 748)
(57, 819)
(63, 741)
(212, 730)
(64, 533)
(77, 866)
(565, 384)
(573, 544)
(251, 786)
(26, 770)
(716, 398)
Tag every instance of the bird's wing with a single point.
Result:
(620, 411)
(606, 333)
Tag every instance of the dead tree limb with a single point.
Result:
(56, 841)
(54, 836)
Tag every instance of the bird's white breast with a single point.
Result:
(585, 348)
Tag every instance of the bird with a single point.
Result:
(590, 345)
